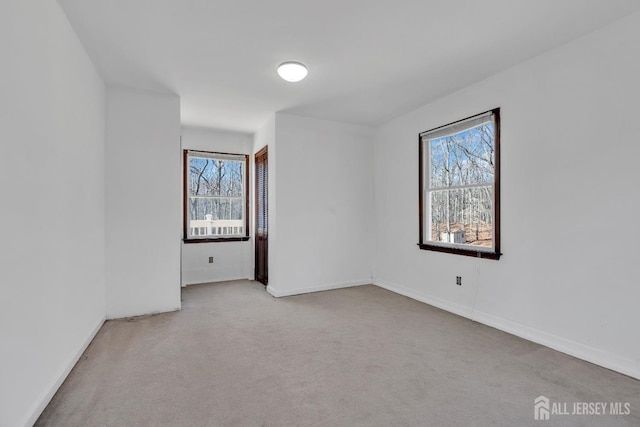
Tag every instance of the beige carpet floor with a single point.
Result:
(363, 356)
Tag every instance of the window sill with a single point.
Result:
(460, 251)
(216, 240)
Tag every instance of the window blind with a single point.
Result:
(457, 127)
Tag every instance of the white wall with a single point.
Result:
(324, 205)
(569, 202)
(52, 264)
(231, 260)
(143, 202)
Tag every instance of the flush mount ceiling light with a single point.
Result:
(292, 71)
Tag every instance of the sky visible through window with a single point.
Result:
(463, 158)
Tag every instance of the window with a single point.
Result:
(460, 187)
(215, 197)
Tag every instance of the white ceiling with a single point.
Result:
(368, 60)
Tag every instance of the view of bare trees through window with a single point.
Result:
(215, 196)
(460, 185)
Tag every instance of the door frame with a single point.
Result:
(261, 246)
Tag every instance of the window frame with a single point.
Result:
(423, 208)
(185, 199)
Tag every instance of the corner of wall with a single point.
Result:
(45, 397)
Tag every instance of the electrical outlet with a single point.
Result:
(210, 260)
(459, 280)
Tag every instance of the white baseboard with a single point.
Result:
(278, 293)
(44, 399)
(216, 280)
(564, 345)
(200, 279)
(125, 315)
(599, 357)
(445, 305)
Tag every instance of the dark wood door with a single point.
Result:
(262, 217)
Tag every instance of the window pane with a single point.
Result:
(463, 216)
(464, 158)
(216, 216)
(214, 177)
(227, 208)
(460, 187)
(215, 195)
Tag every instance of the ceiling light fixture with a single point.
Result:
(292, 71)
